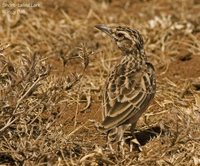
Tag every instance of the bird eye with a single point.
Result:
(120, 35)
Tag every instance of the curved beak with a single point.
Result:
(104, 28)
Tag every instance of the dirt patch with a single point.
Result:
(185, 67)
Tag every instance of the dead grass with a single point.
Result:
(53, 64)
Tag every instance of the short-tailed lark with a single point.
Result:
(130, 86)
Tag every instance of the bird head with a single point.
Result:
(128, 40)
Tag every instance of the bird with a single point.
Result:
(130, 86)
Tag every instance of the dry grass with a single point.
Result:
(53, 64)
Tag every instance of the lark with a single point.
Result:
(130, 86)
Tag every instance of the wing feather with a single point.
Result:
(125, 102)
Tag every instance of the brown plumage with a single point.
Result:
(130, 86)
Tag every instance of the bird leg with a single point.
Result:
(121, 146)
(111, 148)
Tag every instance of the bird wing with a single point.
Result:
(127, 94)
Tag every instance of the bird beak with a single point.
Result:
(104, 28)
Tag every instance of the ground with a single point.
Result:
(53, 65)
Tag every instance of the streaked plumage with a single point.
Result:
(130, 86)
